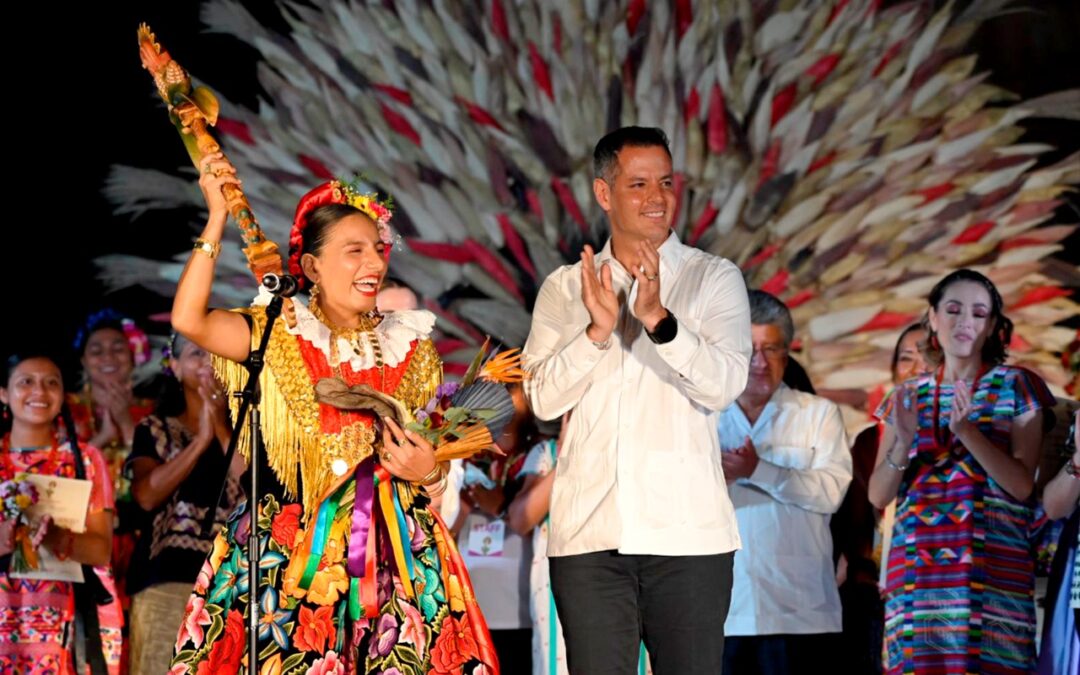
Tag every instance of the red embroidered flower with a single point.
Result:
(285, 524)
(331, 664)
(314, 628)
(225, 655)
(454, 648)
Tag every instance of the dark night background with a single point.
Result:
(80, 101)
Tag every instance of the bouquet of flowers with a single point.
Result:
(465, 418)
(16, 496)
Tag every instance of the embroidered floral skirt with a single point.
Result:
(311, 621)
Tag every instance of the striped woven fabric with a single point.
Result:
(960, 586)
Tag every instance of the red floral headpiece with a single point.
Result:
(336, 192)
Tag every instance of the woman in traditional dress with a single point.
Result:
(177, 465)
(1060, 652)
(106, 411)
(37, 616)
(357, 573)
(959, 453)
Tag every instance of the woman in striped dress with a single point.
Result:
(959, 453)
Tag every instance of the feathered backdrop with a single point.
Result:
(844, 155)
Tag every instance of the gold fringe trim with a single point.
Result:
(290, 415)
(421, 378)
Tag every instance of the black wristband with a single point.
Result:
(665, 330)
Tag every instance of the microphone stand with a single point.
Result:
(249, 413)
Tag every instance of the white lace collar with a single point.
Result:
(396, 333)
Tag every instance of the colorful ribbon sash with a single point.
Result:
(376, 505)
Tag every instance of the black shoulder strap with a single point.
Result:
(90, 594)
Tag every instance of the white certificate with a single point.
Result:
(66, 500)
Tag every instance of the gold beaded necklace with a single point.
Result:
(352, 336)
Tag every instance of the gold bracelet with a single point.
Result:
(210, 248)
(438, 489)
(434, 476)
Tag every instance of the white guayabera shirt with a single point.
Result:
(640, 470)
(784, 580)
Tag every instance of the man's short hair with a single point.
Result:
(766, 309)
(606, 153)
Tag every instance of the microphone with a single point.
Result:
(281, 285)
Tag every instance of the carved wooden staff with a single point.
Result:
(193, 110)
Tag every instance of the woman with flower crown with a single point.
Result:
(106, 411)
(358, 574)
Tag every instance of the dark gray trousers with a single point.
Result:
(608, 603)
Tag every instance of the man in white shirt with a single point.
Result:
(645, 341)
(787, 453)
